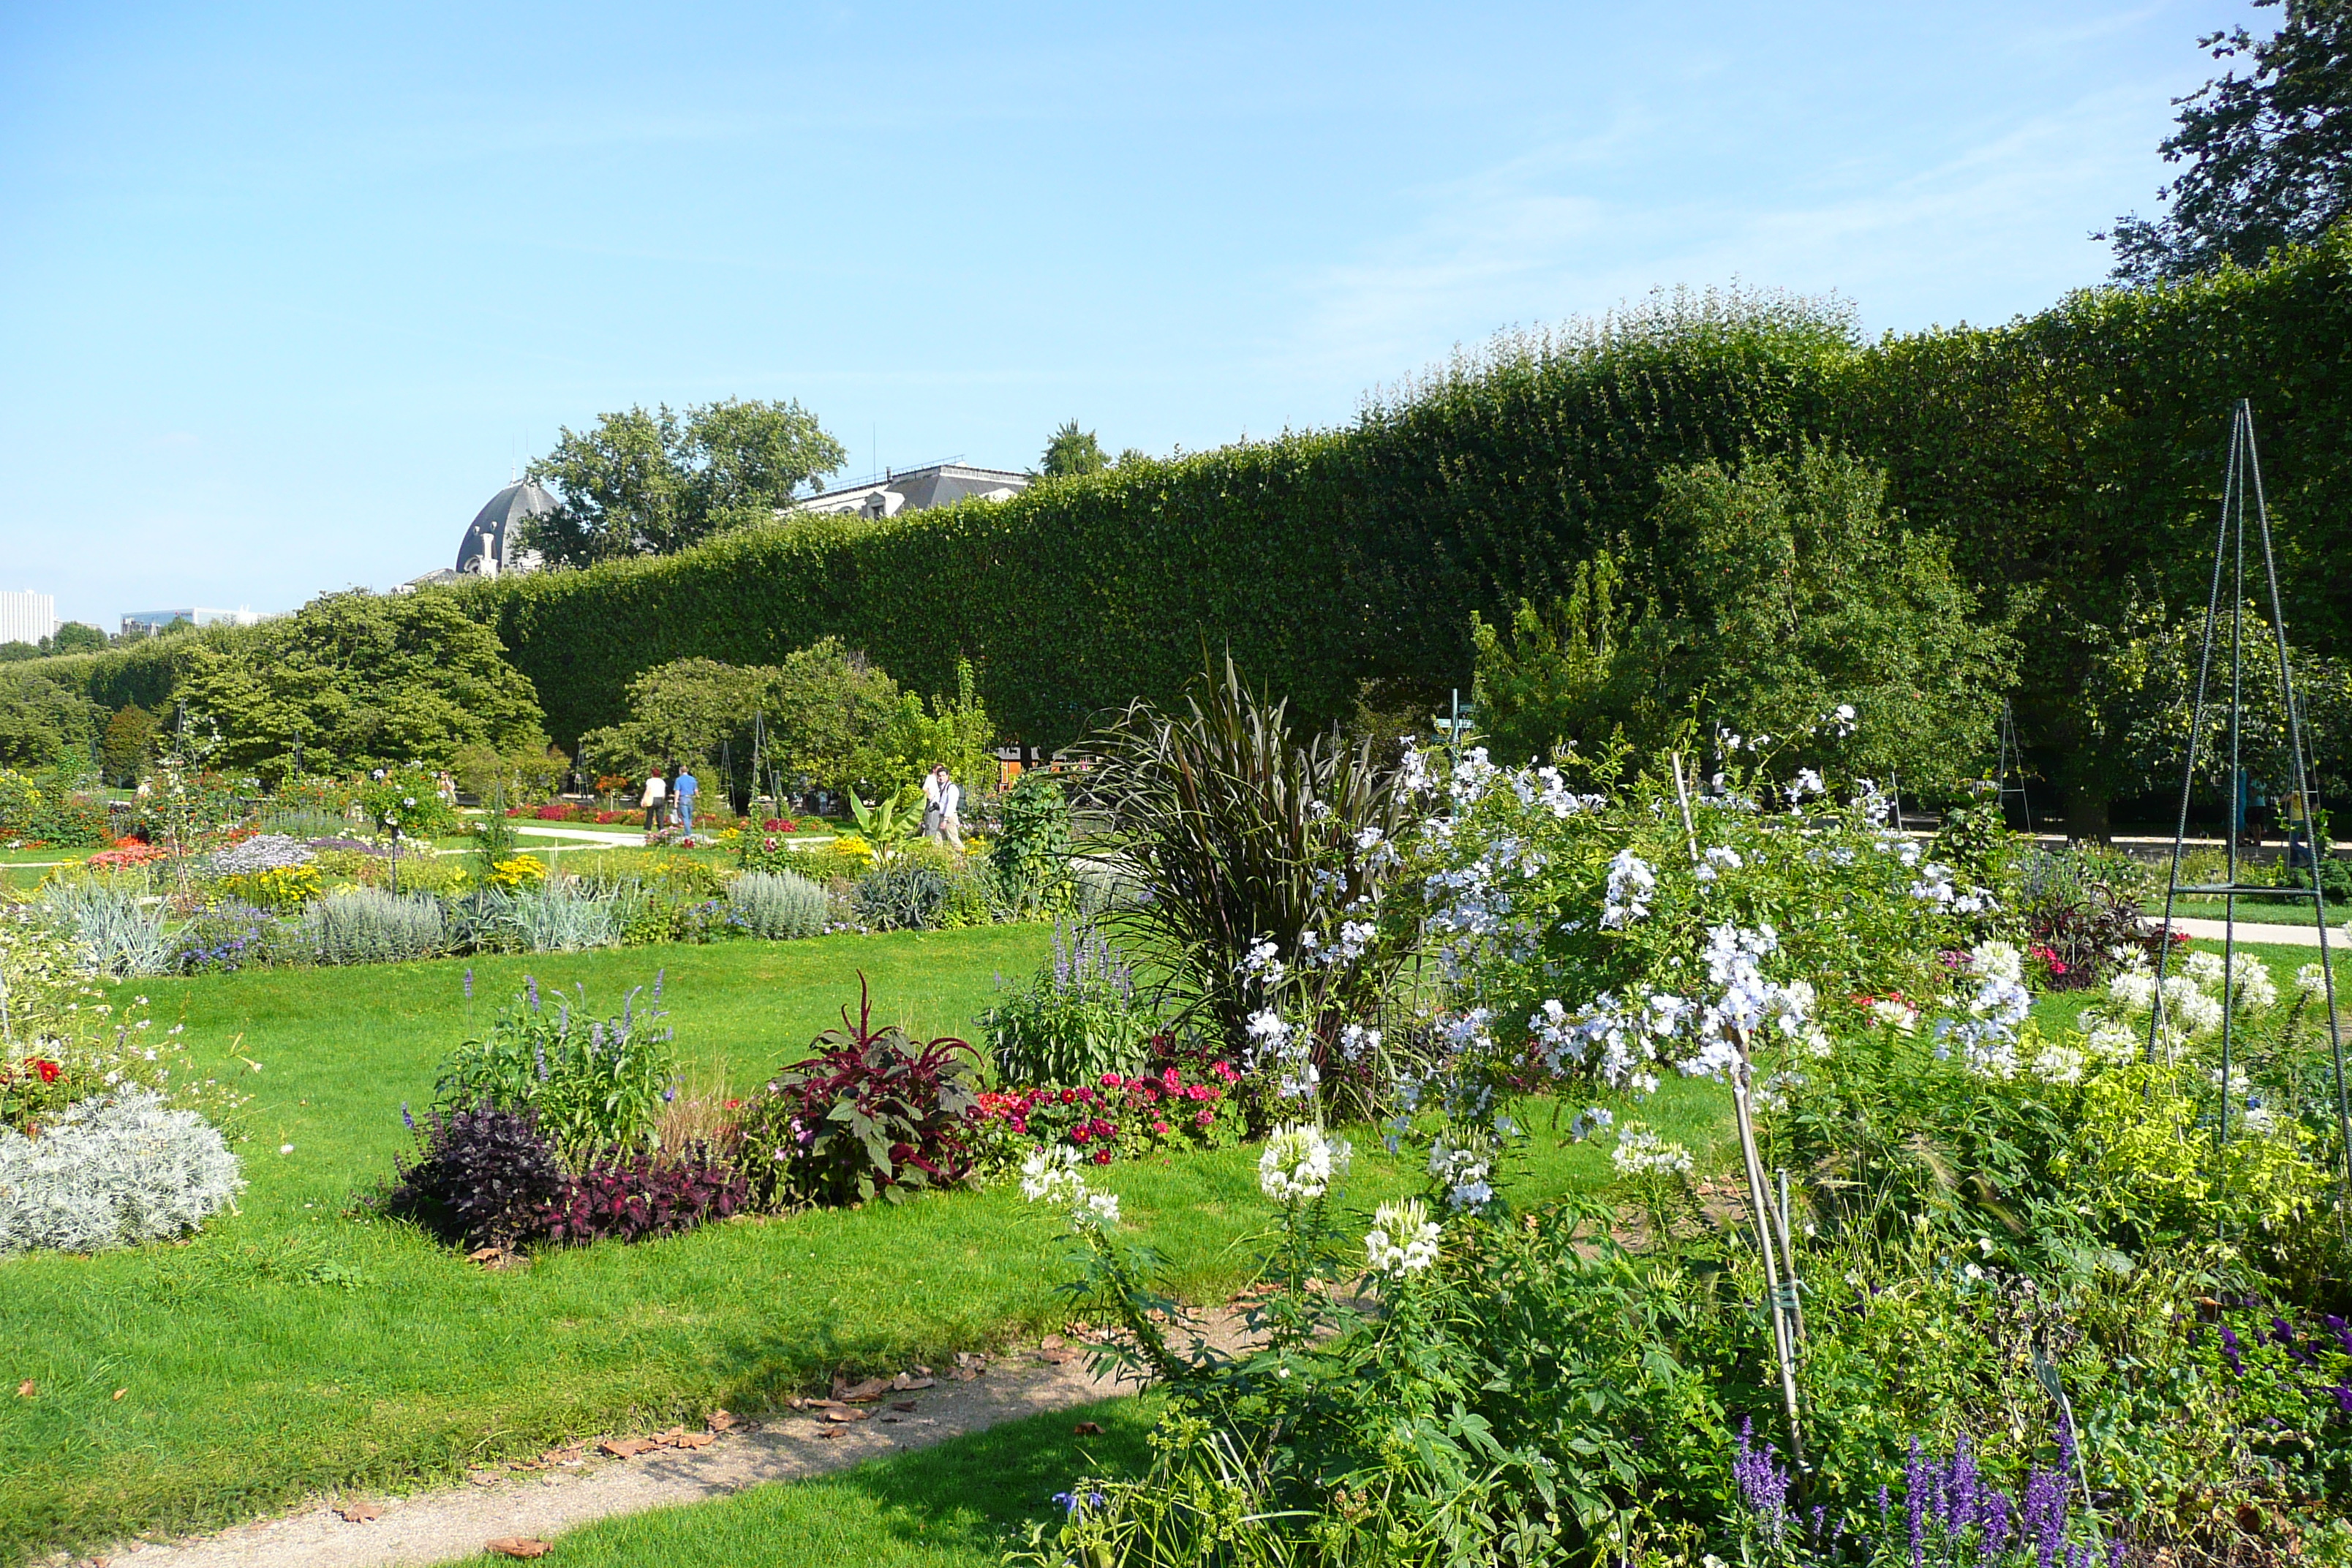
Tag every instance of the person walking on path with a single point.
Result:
(951, 808)
(683, 792)
(655, 797)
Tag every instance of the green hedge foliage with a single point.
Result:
(2073, 459)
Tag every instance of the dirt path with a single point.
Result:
(581, 1487)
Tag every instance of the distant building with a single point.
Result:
(27, 616)
(156, 620)
(913, 490)
(493, 540)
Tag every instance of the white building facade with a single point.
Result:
(27, 616)
(156, 620)
(914, 489)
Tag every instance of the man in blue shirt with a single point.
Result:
(683, 792)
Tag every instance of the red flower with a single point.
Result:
(1078, 1134)
(1069, 1096)
(1206, 1119)
(1102, 1156)
(1112, 1080)
(46, 1068)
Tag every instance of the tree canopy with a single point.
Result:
(1073, 451)
(651, 484)
(359, 681)
(1770, 596)
(830, 717)
(2268, 154)
(44, 720)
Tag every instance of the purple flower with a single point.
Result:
(539, 1055)
(2230, 1350)
(669, 1093)
(1918, 1479)
(2046, 1515)
(405, 1120)
(531, 985)
(2343, 1393)
(1763, 1484)
(470, 984)
(658, 982)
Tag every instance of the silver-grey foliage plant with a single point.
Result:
(120, 1171)
(777, 905)
(115, 933)
(369, 925)
(567, 917)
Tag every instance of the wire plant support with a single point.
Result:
(2242, 480)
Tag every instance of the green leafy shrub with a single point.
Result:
(777, 905)
(410, 800)
(871, 1113)
(1032, 852)
(1079, 1016)
(590, 1085)
(899, 895)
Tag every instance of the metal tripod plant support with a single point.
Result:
(2244, 479)
(2011, 765)
(1782, 1297)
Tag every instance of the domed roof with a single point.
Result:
(493, 542)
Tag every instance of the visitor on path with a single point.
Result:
(683, 792)
(932, 802)
(655, 797)
(951, 809)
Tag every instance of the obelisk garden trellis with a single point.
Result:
(2242, 482)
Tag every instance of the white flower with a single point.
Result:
(1299, 1164)
(1895, 1014)
(2312, 980)
(1630, 881)
(1640, 1151)
(1807, 782)
(1051, 1174)
(1103, 1208)
(1464, 1173)
(1998, 959)
(1403, 1240)
(285, 1147)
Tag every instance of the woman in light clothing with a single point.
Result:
(932, 802)
(656, 797)
(951, 808)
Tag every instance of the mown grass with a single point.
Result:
(297, 1347)
(956, 1505)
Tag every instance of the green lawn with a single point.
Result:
(294, 1348)
(956, 1505)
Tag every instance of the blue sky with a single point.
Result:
(284, 293)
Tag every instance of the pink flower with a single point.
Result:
(1206, 1119)
(1160, 1128)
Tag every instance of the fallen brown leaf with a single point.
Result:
(1051, 1342)
(902, 1383)
(27, 1389)
(689, 1439)
(873, 1388)
(902, 1405)
(360, 1513)
(628, 1448)
(965, 1374)
(718, 1421)
(1087, 1429)
(830, 1432)
(521, 1546)
(121, 1392)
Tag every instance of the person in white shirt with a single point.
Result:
(656, 797)
(932, 802)
(950, 806)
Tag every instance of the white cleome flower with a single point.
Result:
(1640, 1151)
(2311, 980)
(1403, 1240)
(1299, 1164)
(1101, 1209)
(1051, 1174)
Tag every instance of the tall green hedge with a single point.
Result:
(2073, 458)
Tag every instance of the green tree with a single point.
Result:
(956, 732)
(832, 720)
(683, 710)
(44, 722)
(2269, 154)
(651, 484)
(1770, 594)
(1073, 451)
(129, 740)
(73, 637)
(359, 681)
(17, 652)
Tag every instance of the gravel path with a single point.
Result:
(2279, 934)
(571, 1488)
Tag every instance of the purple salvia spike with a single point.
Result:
(658, 973)
(530, 985)
(539, 1055)
(469, 982)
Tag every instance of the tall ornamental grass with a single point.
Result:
(777, 905)
(370, 925)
